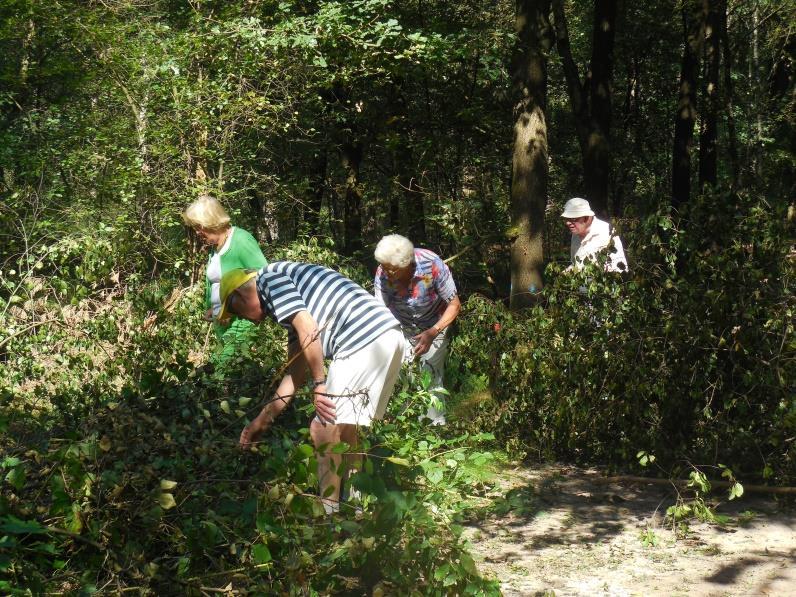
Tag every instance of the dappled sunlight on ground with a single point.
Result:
(555, 529)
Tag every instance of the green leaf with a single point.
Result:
(15, 526)
(166, 501)
(399, 461)
(349, 526)
(16, 477)
(305, 450)
(340, 448)
(261, 554)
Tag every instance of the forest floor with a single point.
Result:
(556, 530)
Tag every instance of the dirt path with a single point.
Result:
(556, 531)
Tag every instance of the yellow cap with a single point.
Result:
(230, 282)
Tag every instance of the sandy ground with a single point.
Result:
(565, 534)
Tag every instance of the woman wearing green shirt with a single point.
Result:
(230, 248)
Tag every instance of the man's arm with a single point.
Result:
(309, 337)
(294, 378)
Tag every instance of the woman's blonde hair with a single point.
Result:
(206, 212)
(395, 250)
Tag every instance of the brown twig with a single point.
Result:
(75, 536)
(7, 339)
(684, 482)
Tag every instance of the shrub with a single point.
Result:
(689, 356)
(121, 470)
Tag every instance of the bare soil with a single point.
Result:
(559, 532)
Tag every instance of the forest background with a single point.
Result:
(323, 125)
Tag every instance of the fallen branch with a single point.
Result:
(684, 483)
(75, 536)
(7, 339)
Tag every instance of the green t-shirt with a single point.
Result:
(243, 252)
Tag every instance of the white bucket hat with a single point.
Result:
(577, 208)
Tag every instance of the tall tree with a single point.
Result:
(694, 13)
(351, 160)
(590, 99)
(728, 97)
(708, 158)
(529, 161)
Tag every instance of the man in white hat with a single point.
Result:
(590, 236)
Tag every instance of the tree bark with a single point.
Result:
(693, 26)
(413, 196)
(406, 171)
(351, 159)
(316, 190)
(756, 147)
(630, 131)
(708, 164)
(529, 160)
(590, 100)
(732, 139)
(597, 158)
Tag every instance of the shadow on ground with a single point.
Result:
(556, 528)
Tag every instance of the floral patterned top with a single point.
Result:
(431, 288)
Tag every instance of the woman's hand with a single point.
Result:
(423, 341)
(324, 406)
(208, 316)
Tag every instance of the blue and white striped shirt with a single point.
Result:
(347, 316)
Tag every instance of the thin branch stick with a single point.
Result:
(75, 536)
(7, 339)
(683, 482)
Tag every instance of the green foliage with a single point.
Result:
(122, 467)
(648, 538)
(114, 115)
(690, 356)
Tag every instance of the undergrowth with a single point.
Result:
(121, 471)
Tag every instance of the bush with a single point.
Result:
(690, 356)
(121, 470)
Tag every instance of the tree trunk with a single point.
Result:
(406, 171)
(756, 147)
(693, 26)
(315, 191)
(590, 101)
(413, 197)
(630, 131)
(351, 159)
(732, 140)
(708, 169)
(529, 161)
(597, 157)
(394, 211)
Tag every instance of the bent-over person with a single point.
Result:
(417, 286)
(327, 316)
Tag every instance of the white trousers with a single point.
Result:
(433, 362)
